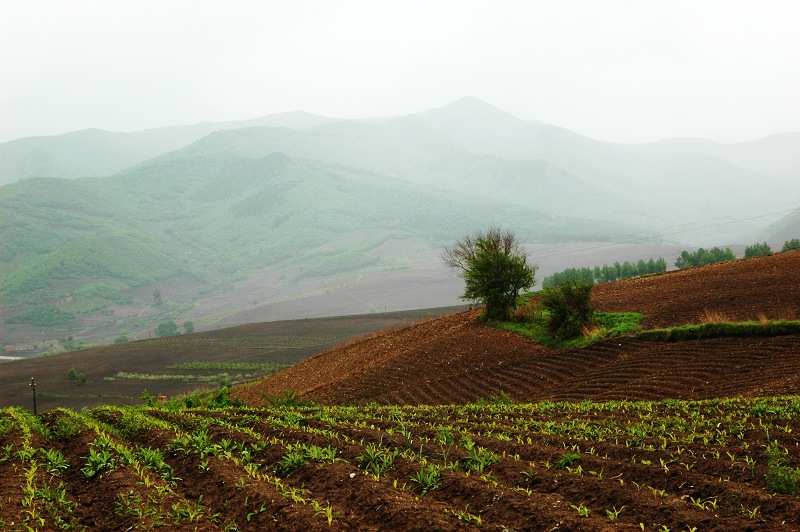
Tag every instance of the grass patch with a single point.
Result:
(218, 378)
(722, 329)
(266, 367)
(606, 325)
(287, 398)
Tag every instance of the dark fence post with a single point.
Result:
(33, 385)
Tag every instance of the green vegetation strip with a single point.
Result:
(608, 324)
(267, 367)
(169, 377)
(723, 329)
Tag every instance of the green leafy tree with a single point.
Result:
(702, 257)
(495, 270)
(167, 328)
(757, 250)
(188, 327)
(791, 244)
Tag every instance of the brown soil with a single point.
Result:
(657, 465)
(284, 342)
(455, 359)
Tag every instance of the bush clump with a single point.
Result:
(569, 308)
(74, 376)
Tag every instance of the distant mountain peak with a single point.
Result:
(471, 107)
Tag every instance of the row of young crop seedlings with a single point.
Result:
(705, 503)
(375, 458)
(378, 458)
(294, 455)
(768, 423)
(197, 445)
(157, 502)
(569, 461)
(104, 455)
(43, 498)
(146, 505)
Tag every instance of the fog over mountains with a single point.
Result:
(95, 222)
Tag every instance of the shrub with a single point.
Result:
(289, 463)
(428, 479)
(757, 250)
(791, 244)
(287, 398)
(63, 428)
(781, 477)
(74, 376)
(566, 460)
(222, 399)
(569, 308)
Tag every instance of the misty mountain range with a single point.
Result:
(93, 220)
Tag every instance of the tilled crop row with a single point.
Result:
(677, 465)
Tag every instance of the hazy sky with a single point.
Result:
(624, 71)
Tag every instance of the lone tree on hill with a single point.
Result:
(167, 328)
(494, 268)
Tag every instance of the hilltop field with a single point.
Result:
(449, 424)
(457, 360)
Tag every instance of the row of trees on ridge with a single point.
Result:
(606, 273)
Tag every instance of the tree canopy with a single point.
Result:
(494, 267)
(167, 328)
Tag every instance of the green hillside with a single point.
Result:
(216, 216)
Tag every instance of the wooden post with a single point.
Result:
(33, 385)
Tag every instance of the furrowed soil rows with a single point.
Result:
(739, 290)
(677, 465)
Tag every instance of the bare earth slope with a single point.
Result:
(455, 359)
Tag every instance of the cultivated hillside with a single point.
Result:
(182, 364)
(455, 359)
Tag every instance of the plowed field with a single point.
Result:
(456, 359)
(564, 466)
(663, 451)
